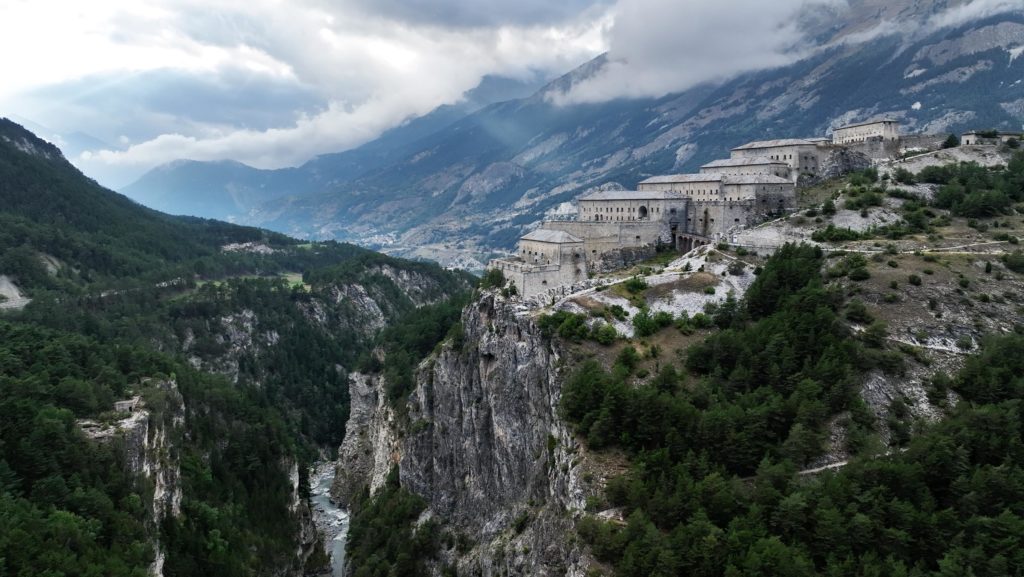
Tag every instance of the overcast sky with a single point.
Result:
(125, 85)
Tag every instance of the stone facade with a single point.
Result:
(884, 129)
(975, 138)
(801, 155)
(748, 167)
(546, 259)
(614, 228)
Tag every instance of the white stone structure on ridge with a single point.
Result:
(885, 129)
(615, 228)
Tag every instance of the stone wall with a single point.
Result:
(876, 149)
(923, 141)
(602, 237)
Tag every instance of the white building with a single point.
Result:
(801, 155)
(884, 129)
(975, 137)
(747, 167)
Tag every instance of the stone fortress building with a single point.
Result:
(885, 130)
(614, 228)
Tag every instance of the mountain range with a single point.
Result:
(463, 182)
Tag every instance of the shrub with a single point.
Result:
(1014, 261)
(833, 234)
(493, 278)
(859, 274)
(635, 284)
(903, 176)
(914, 280)
(605, 334)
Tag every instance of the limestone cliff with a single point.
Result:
(371, 441)
(483, 445)
(147, 434)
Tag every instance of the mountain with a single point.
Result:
(168, 381)
(229, 190)
(475, 185)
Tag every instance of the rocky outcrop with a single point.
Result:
(370, 447)
(484, 446)
(148, 434)
(622, 258)
(840, 161)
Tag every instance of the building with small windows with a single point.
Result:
(614, 228)
(758, 165)
(989, 138)
(886, 130)
(802, 156)
(680, 210)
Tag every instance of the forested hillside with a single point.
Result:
(238, 342)
(716, 441)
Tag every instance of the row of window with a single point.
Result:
(620, 209)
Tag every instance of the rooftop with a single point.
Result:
(727, 162)
(628, 195)
(868, 122)
(552, 236)
(682, 178)
(775, 143)
(756, 179)
(998, 133)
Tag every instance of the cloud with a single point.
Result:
(264, 82)
(662, 46)
(476, 13)
(976, 10)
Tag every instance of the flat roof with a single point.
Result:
(627, 195)
(998, 133)
(682, 178)
(757, 161)
(867, 122)
(756, 179)
(552, 236)
(775, 143)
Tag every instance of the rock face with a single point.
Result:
(842, 161)
(150, 453)
(371, 442)
(484, 446)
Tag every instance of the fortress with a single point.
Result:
(613, 228)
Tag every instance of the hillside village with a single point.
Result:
(612, 229)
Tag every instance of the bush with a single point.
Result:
(605, 334)
(493, 278)
(833, 234)
(952, 141)
(914, 280)
(635, 284)
(859, 274)
(903, 176)
(1014, 261)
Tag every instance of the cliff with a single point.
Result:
(483, 445)
(147, 434)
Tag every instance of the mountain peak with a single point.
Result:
(27, 142)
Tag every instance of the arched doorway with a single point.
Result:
(643, 213)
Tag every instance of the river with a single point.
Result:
(331, 520)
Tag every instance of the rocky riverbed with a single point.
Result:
(331, 520)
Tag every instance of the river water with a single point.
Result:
(331, 520)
